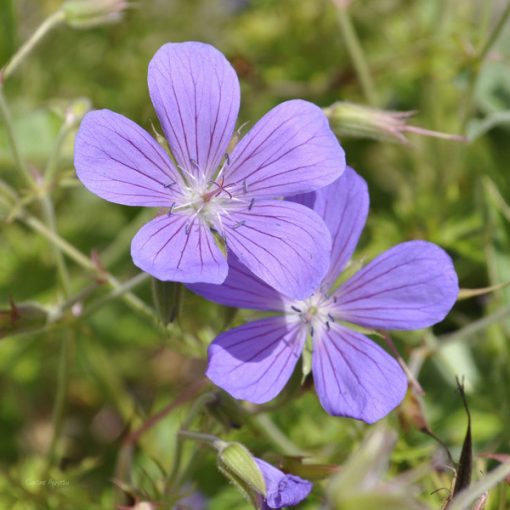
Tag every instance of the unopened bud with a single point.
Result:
(226, 410)
(239, 466)
(90, 13)
(359, 121)
(167, 299)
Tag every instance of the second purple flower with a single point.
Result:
(291, 150)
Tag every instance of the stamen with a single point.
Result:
(328, 327)
(311, 331)
(227, 158)
(170, 210)
(331, 318)
(334, 299)
(296, 309)
(187, 229)
(195, 164)
(238, 224)
(169, 185)
(245, 187)
(252, 201)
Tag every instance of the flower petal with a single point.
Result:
(178, 248)
(290, 150)
(343, 206)
(410, 286)
(241, 289)
(253, 362)
(119, 161)
(354, 377)
(282, 490)
(286, 245)
(196, 94)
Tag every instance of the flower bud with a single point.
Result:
(359, 121)
(167, 299)
(239, 466)
(90, 13)
(226, 410)
(349, 119)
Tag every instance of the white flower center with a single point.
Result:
(315, 311)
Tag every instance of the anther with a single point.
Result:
(311, 331)
(227, 158)
(171, 208)
(328, 327)
(169, 185)
(187, 229)
(195, 164)
(238, 224)
(331, 318)
(245, 186)
(252, 201)
(295, 308)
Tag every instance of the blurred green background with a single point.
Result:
(108, 360)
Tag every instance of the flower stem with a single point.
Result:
(20, 164)
(478, 62)
(176, 462)
(475, 327)
(52, 165)
(356, 52)
(46, 26)
(198, 436)
(265, 425)
(61, 394)
(132, 300)
(494, 34)
(51, 221)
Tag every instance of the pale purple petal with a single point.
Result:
(196, 94)
(354, 377)
(282, 489)
(286, 245)
(290, 150)
(343, 206)
(241, 289)
(411, 286)
(178, 248)
(254, 361)
(119, 161)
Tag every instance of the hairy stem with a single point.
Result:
(46, 26)
(11, 138)
(356, 52)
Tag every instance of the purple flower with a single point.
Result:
(282, 490)
(410, 286)
(208, 192)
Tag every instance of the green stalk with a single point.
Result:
(51, 167)
(476, 326)
(265, 425)
(60, 397)
(356, 52)
(11, 137)
(46, 26)
(51, 221)
(133, 301)
(177, 457)
(478, 62)
(503, 19)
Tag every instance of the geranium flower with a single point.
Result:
(291, 150)
(282, 490)
(413, 285)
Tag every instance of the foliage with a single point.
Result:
(87, 363)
